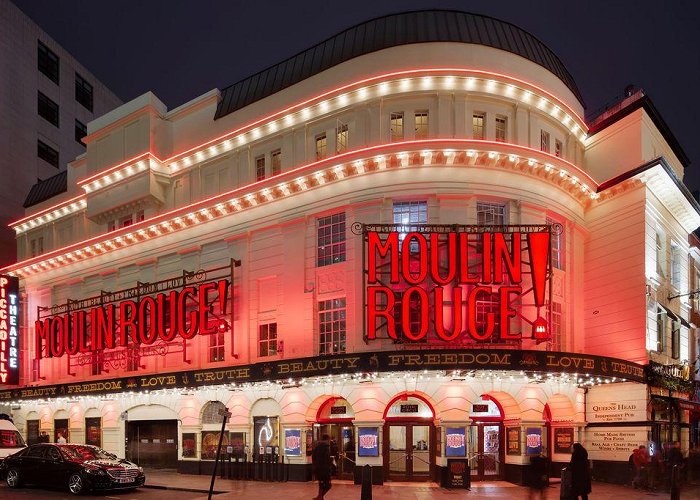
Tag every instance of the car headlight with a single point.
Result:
(141, 470)
(96, 472)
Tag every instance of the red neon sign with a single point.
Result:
(450, 283)
(9, 330)
(150, 319)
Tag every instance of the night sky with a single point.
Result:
(181, 49)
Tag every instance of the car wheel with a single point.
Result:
(12, 478)
(76, 485)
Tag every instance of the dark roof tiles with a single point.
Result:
(392, 31)
(48, 188)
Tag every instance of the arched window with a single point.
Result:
(210, 413)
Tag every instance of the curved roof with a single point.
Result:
(391, 31)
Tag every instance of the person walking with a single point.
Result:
(580, 472)
(61, 439)
(321, 462)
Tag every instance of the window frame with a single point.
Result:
(421, 128)
(545, 141)
(675, 339)
(45, 152)
(80, 132)
(84, 92)
(661, 317)
(675, 274)
(50, 60)
(481, 205)
(321, 146)
(558, 244)
(501, 132)
(48, 109)
(558, 148)
(270, 341)
(276, 162)
(478, 129)
(342, 138)
(335, 313)
(216, 348)
(335, 236)
(557, 339)
(396, 123)
(260, 168)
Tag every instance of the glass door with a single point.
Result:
(409, 452)
(485, 451)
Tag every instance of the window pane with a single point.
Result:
(83, 92)
(47, 109)
(48, 62)
(331, 239)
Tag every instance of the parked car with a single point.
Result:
(77, 466)
(10, 439)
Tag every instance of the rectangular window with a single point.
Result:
(421, 124)
(49, 64)
(491, 214)
(557, 338)
(321, 143)
(267, 339)
(37, 246)
(216, 346)
(696, 297)
(410, 212)
(660, 256)
(478, 120)
(47, 153)
(675, 266)
(660, 329)
(80, 132)
(111, 225)
(557, 244)
(259, 168)
(331, 239)
(331, 326)
(501, 125)
(276, 162)
(126, 221)
(341, 138)
(558, 148)
(48, 109)
(396, 127)
(544, 141)
(83, 92)
(675, 339)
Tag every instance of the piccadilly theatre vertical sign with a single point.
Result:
(9, 330)
(457, 283)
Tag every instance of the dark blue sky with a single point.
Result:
(180, 49)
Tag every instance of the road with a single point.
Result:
(138, 494)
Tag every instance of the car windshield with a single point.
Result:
(10, 438)
(84, 453)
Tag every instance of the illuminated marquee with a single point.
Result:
(145, 321)
(457, 283)
(9, 330)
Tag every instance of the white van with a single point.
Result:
(10, 439)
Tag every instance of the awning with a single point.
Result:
(692, 406)
(675, 317)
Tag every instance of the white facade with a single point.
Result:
(160, 191)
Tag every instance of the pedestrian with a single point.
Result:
(321, 462)
(580, 472)
(641, 465)
(44, 438)
(61, 439)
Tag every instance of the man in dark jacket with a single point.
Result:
(321, 462)
(580, 472)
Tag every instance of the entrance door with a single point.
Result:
(343, 435)
(152, 443)
(486, 451)
(408, 451)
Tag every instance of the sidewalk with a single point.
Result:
(345, 490)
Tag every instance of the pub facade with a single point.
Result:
(413, 243)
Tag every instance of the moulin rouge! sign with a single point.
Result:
(186, 312)
(448, 282)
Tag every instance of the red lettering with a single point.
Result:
(450, 260)
(456, 319)
(185, 332)
(206, 308)
(175, 318)
(378, 250)
(374, 311)
(41, 335)
(146, 325)
(511, 260)
(418, 259)
(406, 307)
(127, 322)
(506, 312)
(472, 324)
(102, 321)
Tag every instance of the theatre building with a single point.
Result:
(406, 237)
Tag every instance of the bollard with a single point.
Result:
(366, 493)
(675, 484)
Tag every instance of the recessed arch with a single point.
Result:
(404, 396)
(510, 409)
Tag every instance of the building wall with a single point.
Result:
(21, 126)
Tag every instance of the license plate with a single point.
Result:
(125, 480)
